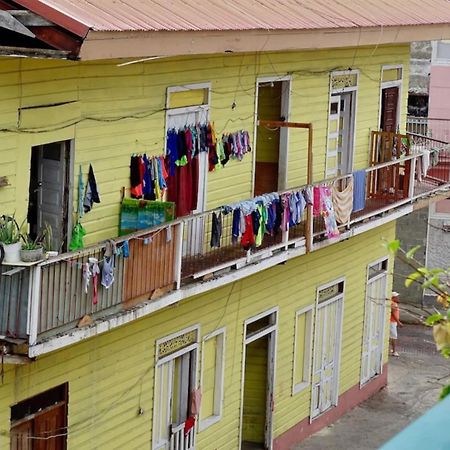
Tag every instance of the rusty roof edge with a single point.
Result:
(57, 17)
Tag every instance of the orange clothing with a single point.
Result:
(395, 312)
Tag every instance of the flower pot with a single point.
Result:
(12, 252)
(32, 255)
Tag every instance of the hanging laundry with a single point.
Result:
(91, 195)
(327, 212)
(196, 401)
(248, 236)
(216, 230)
(172, 150)
(189, 424)
(148, 188)
(76, 242)
(135, 177)
(108, 264)
(316, 201)
(343, 201)
(359, 190)
(95, 271)
(80, 193)
(86, 277)
(259, 234)
(235, 227)
(125, 249)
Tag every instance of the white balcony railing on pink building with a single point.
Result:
(167, 257)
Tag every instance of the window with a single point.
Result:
(39, 423)
(441, 52)
(212, 378)
(302, 349)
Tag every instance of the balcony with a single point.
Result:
(48, 305)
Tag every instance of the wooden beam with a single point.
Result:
(280, 124)
(57, 39)
(8, 22)
(33, 52)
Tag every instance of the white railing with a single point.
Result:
(166, 257)
(181, 441)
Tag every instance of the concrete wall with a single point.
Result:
(419, 79)
(412, 231)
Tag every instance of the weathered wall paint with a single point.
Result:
(112, 375)
(84, 92)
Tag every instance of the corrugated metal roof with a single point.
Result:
(229, 15)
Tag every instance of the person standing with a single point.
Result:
(395, 321)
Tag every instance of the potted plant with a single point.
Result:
(10, 239)
(33, 249)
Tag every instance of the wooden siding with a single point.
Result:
(99, 91)
(111, 376)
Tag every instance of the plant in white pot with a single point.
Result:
(33, 248)
(10, 239)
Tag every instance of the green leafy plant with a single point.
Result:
(43, 239)
(9, 230)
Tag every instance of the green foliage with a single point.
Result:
(433, 319)
(411, 252)
(43, 239)
(9, 230)
(445, 391)
(393, 246)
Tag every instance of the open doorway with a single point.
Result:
(271, 143)
(258, 382)
(49, 192)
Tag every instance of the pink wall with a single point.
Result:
(439, 102)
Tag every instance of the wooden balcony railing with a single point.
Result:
(51, 297)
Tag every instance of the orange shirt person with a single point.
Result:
(395, 321)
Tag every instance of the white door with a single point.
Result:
(51, 190)
(327, 343)
(333, 136)
(374, 322)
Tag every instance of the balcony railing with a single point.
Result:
(52, 296)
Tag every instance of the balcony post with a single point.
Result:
(412, 173)
(178, 254)
(35, 275)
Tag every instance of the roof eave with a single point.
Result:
(139, 44)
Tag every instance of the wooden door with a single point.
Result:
(389, 105)
(20, 436)
(50, 425)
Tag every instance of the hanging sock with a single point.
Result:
(95, 271)
(91, 195)
(86, 277)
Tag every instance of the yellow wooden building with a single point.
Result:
(202, 341)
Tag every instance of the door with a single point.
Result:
(374, 322)
(49, 191)
(258, 381)
(271, 142)
(389, 105)
(340, 134)
(327, 344)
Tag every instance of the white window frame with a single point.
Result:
(220, 335)
(354, 105)
(435, 61)
(307, 357)
(389, 84)
(160, 361)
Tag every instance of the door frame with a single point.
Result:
(283, 156)
(354, 105)
(272, 332)
(387, 85)
(383, 329)
(166, 359)
(339, 297)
